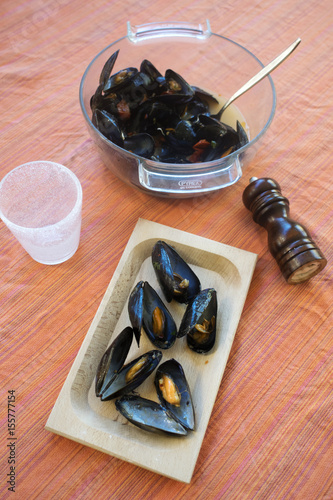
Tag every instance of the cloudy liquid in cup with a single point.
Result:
(40, 202)
(50, 233)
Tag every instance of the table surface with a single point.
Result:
(270, 432)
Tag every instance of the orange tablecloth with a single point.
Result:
(270, 432)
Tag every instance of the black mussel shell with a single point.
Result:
(150, 116)
(193, 108)
(199, 321)
(149, 69)
(164, 152)
(174, 275)
(113, 359)
(204, 95)
(103, 102)
(177, 89)
(157, 321)
(157, 81)
(183, 137)
(243, 138)
(149, 415)
(135, 309)
(161, 115)
(222, 138)
(141, 144)
(135, 92)
(177, 84)
(120, 80)
(146, 310)
(132, 375)
(108, 126)
(174, 393)
(107, 68)
(96, 100)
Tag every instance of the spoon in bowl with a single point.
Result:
(258, 77)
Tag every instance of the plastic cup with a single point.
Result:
(41, 204)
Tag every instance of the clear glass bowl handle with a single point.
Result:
(191, 183)
(153, 30)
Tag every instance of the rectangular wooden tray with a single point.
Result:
(79, 415)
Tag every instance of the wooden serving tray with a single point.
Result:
(79, 415)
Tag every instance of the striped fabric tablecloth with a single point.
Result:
(270, 432)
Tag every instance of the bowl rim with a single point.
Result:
(203, 166)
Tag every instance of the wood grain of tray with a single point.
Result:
(79, 415)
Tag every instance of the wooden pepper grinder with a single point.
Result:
(289, 242)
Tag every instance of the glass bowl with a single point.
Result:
(205, 60)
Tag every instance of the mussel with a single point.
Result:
(183, 137)
(146, 310)
(120, 80)
(157, 83)
(131, 375)
(221, 139)
(113, 359)
(141, 144)
(199, 321)
(108, 126)
(149, 415)
(177, 89)
(174, 393)
(177, 280)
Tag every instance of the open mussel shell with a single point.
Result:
(157, 83)
(178, 90)
(113, 359)
(174, 275)
(199, 321)
(157, 321)
(149, 415)
(146, 310)
(222, 138)
(120, 80)
(174, 393)
(132, 375)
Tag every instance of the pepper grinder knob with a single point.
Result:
(289, 242)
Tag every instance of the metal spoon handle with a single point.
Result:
(259, 76)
